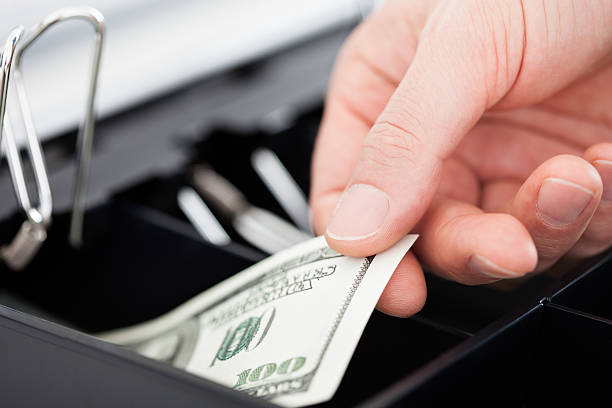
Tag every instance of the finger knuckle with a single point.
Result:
(389, 142)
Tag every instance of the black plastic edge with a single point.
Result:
(92, 347)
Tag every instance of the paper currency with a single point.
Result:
(284, 329)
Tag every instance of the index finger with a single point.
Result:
(367, 72)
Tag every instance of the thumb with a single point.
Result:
(456, 74)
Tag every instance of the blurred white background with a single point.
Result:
(154, 46)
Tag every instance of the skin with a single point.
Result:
(464, 114)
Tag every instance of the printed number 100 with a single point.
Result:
(266, 370)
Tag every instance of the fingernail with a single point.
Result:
(360, 213)
(480, 265)
(560, 201)
(604, 168)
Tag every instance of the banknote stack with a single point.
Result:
(284, 329)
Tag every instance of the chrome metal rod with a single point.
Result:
(86, 128)
(6, 63)
(282, 186)
(32, 233)
(201, 217)
(261, 228)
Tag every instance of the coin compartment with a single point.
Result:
(547, 356)
(135, 264)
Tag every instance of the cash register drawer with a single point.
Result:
(545, 340)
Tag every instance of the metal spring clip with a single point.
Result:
(33, 231)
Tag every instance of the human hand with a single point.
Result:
(483, 126)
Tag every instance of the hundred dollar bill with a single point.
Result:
(284, 329)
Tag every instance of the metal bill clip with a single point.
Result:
(33, 232)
